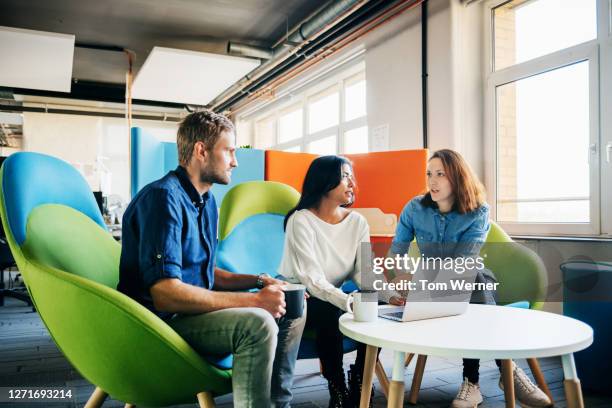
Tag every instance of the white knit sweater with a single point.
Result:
(322, 256)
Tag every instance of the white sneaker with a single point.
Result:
(528, 394)
(469, 396)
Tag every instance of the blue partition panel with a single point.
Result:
(170, 156)
(151, 159)
(250, 168)
(147, 159)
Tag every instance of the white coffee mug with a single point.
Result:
(363, 311)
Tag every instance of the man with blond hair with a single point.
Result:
(167, 264)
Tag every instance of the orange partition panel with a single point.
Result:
(388, 180)
(385, 180)
(288, 168)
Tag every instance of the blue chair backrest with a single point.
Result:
(33, 179)
(254, 246)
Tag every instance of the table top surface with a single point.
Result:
(484, 331)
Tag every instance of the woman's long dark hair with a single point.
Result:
(323, 175)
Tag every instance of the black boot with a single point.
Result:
(338, 394)
(355, 379)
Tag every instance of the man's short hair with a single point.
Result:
(203, 126)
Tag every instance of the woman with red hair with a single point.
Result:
(452, 220)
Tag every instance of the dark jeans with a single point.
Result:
(323, 319)
(471, 365)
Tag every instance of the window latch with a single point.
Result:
(608, 151)
(592, 151)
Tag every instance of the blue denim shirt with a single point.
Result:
(169, 231)
(446, 235)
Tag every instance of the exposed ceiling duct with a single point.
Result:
(338, 25)
(245, 50)
(307, 30)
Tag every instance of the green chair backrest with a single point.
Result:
(66, 239)
(252, 198)
(519, 270)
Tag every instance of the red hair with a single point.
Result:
(468, 190)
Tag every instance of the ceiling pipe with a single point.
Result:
(249, 51)
(305, 32)
(270, 87)
(375, 13)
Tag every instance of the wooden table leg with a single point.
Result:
(534, 366)
(396, 388)
(417, 379)
(382, 375)
(409, 358)
(368, 374)
(508, 380)
(573, 391)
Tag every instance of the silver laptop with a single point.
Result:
(425, 304)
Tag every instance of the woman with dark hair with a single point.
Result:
(452, 220)
(322, 249)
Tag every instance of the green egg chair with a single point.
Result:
(70, 264)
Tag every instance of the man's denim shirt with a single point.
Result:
(444, 235)
(169, 231)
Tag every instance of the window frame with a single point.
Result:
(338, 83)
(587, 51)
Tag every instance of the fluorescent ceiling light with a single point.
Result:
(190, 77)
(36, 59)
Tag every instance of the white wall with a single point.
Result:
(393, 80)
(75, 139)
(455, 95)
(84, 141)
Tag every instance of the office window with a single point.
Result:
(355, 98)
(324, 146)
(356, 140)
(290, 125)
(293, 149)
(265, 132)
(543, 110)
(324, 111)
(524, 30)
(325, 117)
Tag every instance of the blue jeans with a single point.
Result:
(264, 350)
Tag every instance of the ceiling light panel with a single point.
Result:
(36, 59)
(190, 77)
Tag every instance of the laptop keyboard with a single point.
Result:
(395, 314)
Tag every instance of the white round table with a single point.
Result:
(483, 332)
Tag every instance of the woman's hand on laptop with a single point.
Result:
(397, 301)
